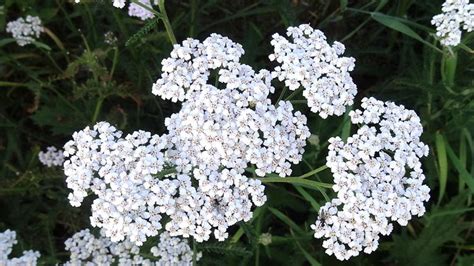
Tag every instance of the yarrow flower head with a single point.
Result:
(25, 30)
(136, 10)
(7, 240)
(457, 15)
(131, 198)
(87, 249)
(119, 171)
(110, 38)
(173, 251)
(189, 67)
(51, 157)
(307, 60)
(378, 179)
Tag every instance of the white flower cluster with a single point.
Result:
(219, 132)
(378, 179)
(456, 15)
(110, 38)
(136, 10)
(7, 240)
(189, 67)
(51, 157)
(173, 251)
(120, 172)
(213, 130)
(131, 199)
(25, 30)
(87, 249)
(307, 60)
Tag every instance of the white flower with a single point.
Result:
(216, 128)
(136, 10)
(110, 38)
(457, 15)
(51, 157)
(308, 61)
(378, 179)
(7, 240)
(189, 67)
(119, 172)
(86, 249)
(173, 251)
(25, 30)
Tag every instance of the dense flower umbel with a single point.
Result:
(173, 251)
(131, 199)
(189, 67)
(378, 179)
(25, 30)
(120, 172)
(307, 60)
(219, 132)
(216, 128)
(51, 157)
(457, 15)
(136, 10)
(7, 240)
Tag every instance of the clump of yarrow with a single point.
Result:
(306, 60)
(7, 241)
(51, 157)
(25, 30)
(456, 16)
(85, 248)
(378, 179)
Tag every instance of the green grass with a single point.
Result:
(70, 79)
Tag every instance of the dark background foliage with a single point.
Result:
(70, 79)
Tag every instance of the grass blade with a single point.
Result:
(459, 167)
(286, 220)
(442, 164)
(395, 24)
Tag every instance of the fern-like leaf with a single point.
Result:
(143, 31)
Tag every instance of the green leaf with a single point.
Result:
(308, 256)
(286, 220)
(141, 34)
(441, 227)
(442, 164)
(308, 197)
(223, 248)
(395, 24)
(460, 168)
(296, 180)
(42, 45)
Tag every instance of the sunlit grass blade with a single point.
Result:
(396, 24)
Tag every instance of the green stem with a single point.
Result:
(114, 62)
(448, 64)
(313, 172)
(98, 106)
(166, 21)
(298, 181)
